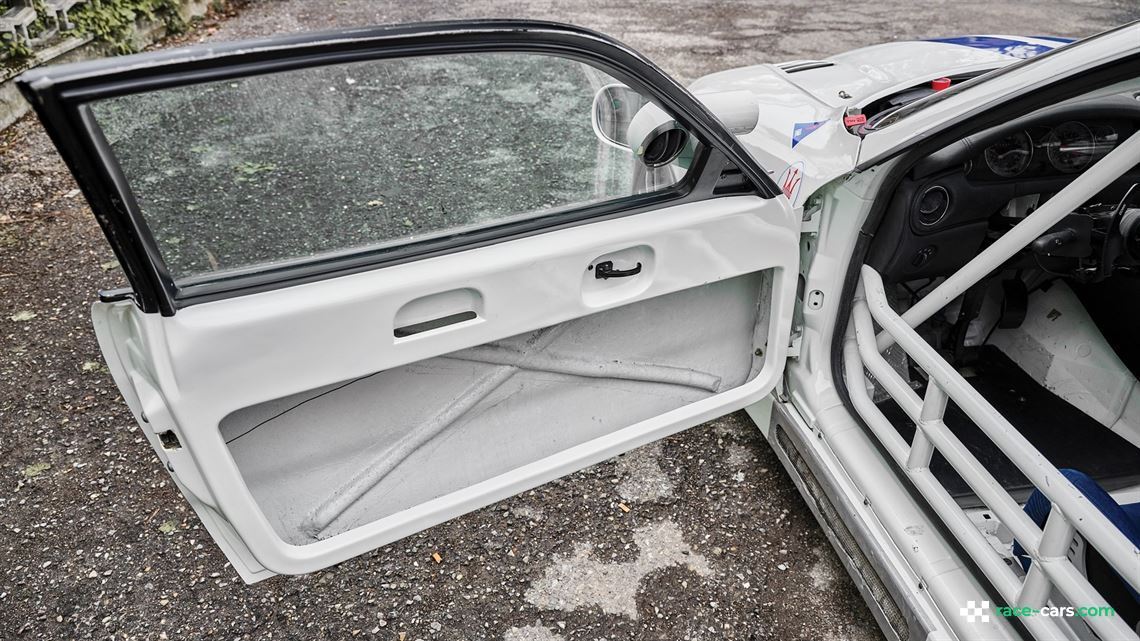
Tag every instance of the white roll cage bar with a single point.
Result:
(1071, 513)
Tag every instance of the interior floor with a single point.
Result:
(1066, 436)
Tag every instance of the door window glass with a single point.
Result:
(268, 169)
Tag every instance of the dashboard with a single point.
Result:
(953, 200)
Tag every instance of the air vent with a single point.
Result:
(804, 65)
(733, 181)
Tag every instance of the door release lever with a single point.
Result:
(605, 269)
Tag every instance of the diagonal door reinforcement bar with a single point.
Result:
(507, 361)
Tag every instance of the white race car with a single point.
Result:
(385, 276)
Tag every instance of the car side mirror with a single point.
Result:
(622, 118)
(613, 110)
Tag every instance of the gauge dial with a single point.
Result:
(1105, 138)
(1011, 155)
(1071, 147)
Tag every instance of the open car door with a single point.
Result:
(383, 277)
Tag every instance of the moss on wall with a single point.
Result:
(108, 22)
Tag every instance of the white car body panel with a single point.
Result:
(827, 150)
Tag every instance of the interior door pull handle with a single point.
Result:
(606, 270)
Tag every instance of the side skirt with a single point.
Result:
(867, 571)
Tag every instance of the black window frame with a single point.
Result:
(60, 96)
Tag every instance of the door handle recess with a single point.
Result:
(605, 269)
(435, 323)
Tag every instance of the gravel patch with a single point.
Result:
(582, 580)
(643, 480)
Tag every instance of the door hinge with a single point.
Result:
(810, 220)
(794, 345)
(117, 294)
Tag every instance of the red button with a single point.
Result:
(939, 84)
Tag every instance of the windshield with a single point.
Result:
(907, 110)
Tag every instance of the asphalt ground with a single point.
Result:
(96, 544)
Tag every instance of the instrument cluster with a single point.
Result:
(956, 199)
(1066, 148)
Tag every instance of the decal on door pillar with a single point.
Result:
(791, 180)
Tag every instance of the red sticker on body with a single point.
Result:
(854, 121)
(791, 180)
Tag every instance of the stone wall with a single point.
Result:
(69, 48)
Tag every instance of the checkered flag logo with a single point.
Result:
(975, 612)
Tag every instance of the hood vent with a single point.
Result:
(804, 65)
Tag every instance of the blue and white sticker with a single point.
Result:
(1012, 47)
(801, 130)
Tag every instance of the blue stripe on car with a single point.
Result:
(1004, 46)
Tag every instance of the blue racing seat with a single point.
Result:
(1121, 596)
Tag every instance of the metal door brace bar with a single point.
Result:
(576, 366)
(509, 360)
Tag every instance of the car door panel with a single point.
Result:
(700, 331)
(321, 386)
(355, 453)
